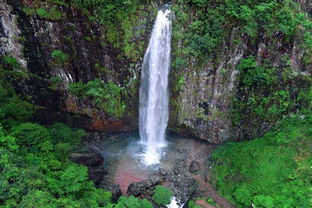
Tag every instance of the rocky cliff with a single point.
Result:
(58, 44)
(210, 98)
(61, 44)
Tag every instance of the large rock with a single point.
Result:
(116, 192)
(194, 167)
(142, 187)
(90, 159)
(180, 182)
(137, 188)
(96, 174)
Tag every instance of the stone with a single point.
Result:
(194, 167)
(162, 172)
(142, 187)
(156, 179)
(96, 174)
(116, 192)
(137, 188)
(90, 159)
(180, 181)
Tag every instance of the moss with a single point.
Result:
(52, 13)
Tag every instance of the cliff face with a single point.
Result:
(202, 102)
(87, 50)
(208, 93)
(70, 45)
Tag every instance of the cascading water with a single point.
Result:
(154, 93)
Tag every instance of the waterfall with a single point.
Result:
(154, 92)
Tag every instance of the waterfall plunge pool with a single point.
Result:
(122, 153)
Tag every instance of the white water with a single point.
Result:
(154, 93)
(174, 203)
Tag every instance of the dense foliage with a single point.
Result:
(266, 94)
(131, 202)
(272, 171)
(213, 21)
(34, 165)
(107, 96)
(162, 195)
(35, 171)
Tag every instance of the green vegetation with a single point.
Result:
(107, 96)
(34, 165)
(272, 171)
(211, 201)
(54, 83)
(60, 57)
(162, 195)
(131, 202)
(191, 203)
(53, 13)
(119, 18)
(207, 24)
(267, 93)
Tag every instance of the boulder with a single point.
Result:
(137, 188)
(194, 167)
(142, 187)
(180, 182)
(96, 174)
(116, 192)
(90, 159)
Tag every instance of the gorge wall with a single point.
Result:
(66, 46)
(58, 44)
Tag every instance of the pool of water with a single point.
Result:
(123, 154)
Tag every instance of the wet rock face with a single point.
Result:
(201, 105)
(9, 31)
(32, 39)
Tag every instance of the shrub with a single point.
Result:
(131, 202)
(265, 94)
(43, 13)
(107, 96)
(33, 136)
(162, 195)
(53, 13)
(8, 142)
(12, 62)
(59, 56)
(64, 139)
(271, 171)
